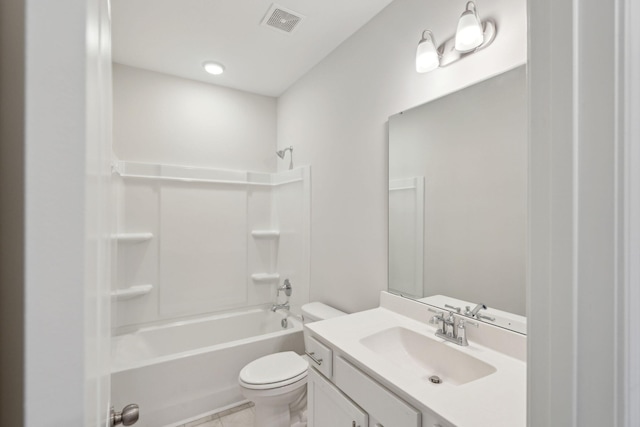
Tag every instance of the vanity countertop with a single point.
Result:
(496, 400)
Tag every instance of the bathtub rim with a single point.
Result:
(295, 322)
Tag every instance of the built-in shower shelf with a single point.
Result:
(265, 277)
(266, 234)
(131, 292)
(133, 237)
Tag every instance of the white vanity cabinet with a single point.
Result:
(382, 361)
(329, 407)
(345, 396)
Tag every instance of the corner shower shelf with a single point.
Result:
(132, 292)
(265, 234)
(133, 237)
(265, 277)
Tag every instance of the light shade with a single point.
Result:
(213, 68)
(427, 58)
(469, 34)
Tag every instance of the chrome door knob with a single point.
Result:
(127, 417)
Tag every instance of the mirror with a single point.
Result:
(458, 199)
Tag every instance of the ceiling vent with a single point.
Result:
(282, 19)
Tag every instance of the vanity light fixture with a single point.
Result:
(427, 56)
(213, 68)
(471, 36)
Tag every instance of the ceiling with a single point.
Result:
(177, 36)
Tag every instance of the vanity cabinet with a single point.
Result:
(345, 396)
(329, 407)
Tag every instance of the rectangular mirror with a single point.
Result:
(458, 199)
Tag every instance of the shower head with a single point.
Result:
(281, 153)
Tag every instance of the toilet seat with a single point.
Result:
(273, 371)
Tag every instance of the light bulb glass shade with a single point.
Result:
(469, 34)
(427, 58)
(213, 68)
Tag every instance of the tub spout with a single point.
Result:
(276, 307)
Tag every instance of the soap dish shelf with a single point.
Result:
(265, 234)
(133, 237)
(265, 277)
(131, 292)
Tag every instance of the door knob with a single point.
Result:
(127, 417)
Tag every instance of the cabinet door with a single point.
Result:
(328, 407)
(387, 408)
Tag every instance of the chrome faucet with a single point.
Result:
(288, 289)
(276, 307)
(449, 330)
(474, 313)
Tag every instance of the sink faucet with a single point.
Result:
(474, 312)
(449, 330)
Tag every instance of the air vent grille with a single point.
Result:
(282, 19)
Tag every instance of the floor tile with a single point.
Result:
(212, 423)
(199, 422)
(243, 418)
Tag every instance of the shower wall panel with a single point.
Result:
(211, 243)
(203, 248)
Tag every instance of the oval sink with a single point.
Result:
(426, 356)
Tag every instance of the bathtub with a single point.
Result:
(185, 370)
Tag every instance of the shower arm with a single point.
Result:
(281, 154)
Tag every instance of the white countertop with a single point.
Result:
(497, 400)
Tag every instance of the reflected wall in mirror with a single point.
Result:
(458, 195)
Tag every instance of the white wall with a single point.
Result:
(65, 137)
(164, 119)
(583, 216)
(336, 119)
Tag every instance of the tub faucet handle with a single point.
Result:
(286, 287)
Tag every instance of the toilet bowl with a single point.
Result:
(277, 383)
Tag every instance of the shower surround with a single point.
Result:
(194, 244)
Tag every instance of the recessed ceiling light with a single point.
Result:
(213, 68)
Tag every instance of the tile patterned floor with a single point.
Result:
(240, 416)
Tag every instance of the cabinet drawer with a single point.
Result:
(320, 356)
(387, 408)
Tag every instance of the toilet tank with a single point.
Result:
(315, 311)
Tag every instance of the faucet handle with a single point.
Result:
(463, 322)
(438, 319)
(457, 309)
(433, 310)
(286, 287)
(489, 318)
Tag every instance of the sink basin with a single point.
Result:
(426, 356)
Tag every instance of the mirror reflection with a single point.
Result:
(458, 199)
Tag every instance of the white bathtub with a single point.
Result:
(185, 370)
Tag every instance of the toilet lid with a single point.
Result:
(274, 369)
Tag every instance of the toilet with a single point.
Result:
(277, 383)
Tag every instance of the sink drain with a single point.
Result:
(435, 379)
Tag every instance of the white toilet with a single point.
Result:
(277, 383)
